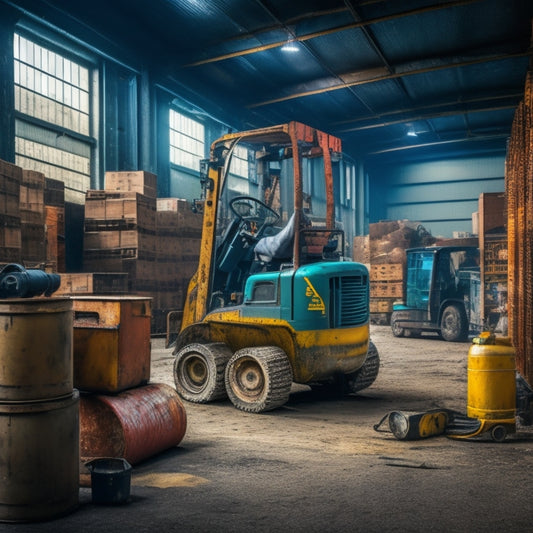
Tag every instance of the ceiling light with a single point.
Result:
(290, 46)
(411, 132)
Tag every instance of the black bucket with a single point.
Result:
(110, 480)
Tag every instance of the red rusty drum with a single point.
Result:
(134, 424)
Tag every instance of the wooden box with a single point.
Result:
(386, 289)
(104, 283)
(138, 181)
(111, 342)
(386, 272)
(381, 305)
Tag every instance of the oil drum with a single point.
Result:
(491, 385)
(134, 424)
(39, 459)
(35, 349)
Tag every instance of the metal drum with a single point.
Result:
(134, 424)
(35, 349)
(39, 459)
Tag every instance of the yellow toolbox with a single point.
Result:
(111, 342)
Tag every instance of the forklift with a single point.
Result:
(441, 294)
(274, 300)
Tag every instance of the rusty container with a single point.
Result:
(39, 459)
(111, 343)
(135, 424)
(35, 349)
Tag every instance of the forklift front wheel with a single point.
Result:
(199, 371)
(258, 378)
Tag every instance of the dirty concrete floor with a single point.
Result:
(317, 464)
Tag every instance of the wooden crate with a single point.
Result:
(32, 197)
(381, 305)
(142, 243)
(138, 181)
(386, 272)
(10, 240)
(110, 210)
(384, 289)
(33, 242)
(93, 283)
(54, 192)
(175, 214)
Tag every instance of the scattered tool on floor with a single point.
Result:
(496, 396)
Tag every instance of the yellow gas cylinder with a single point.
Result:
(491, 395)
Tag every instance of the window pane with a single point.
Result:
(54, 90)
(187, 141)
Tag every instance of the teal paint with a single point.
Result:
(441, 195)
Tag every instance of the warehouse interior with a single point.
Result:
(431, 100)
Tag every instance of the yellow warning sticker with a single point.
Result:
(315, 300)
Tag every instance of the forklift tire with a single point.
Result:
(397, 331)
(367, 374)
(258, 379)
(453, 324)
(199, 372)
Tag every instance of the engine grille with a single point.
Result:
(349, 306)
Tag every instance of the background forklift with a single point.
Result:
(442, 293)
(274, 300)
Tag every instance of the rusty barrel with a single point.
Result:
(134, 425)
(35, 349)
(39, 459)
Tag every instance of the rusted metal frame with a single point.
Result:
(328, 176)
(298, 190)
(314, 35)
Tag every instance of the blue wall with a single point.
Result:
(441, 195)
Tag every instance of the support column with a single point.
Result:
(8, 19)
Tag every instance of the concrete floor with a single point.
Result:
(317, 464)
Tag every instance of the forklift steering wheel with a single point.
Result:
(250, 208)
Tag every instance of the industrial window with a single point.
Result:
(53, 122)
(187, 141)
(239, 162)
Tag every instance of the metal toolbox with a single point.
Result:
(111, 342)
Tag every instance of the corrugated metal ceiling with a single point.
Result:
(411, 78)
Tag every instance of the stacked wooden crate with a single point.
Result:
(93, 283)
(386, 287)
(155, 241)
(10, 226)
(32, 217)
(120, 228)
(54, 209)
(383, 252)
(177, 251)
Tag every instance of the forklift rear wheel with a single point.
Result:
(453, 325)
(397, 331)
(258, 378)
(367, 374)
(199, 372)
